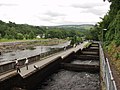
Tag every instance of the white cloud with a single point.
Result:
(52, 12)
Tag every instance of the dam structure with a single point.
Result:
(77, 68)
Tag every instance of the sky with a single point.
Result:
(53, 12)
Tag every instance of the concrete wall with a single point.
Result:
(81, 67)
(11, 81)
(9, 66)
(90, 54)
(39, 75)
(68, 58)
(30, 81)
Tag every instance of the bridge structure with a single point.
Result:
(89, 54)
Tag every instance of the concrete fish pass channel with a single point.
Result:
(78, 70)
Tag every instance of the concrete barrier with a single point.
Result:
(14, 80)
(37, 76)
(80, 67)
(9, 66)
(30, 81)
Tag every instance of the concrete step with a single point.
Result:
(81, 67)
(86, 57)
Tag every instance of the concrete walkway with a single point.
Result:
(42, 63)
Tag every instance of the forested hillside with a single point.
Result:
(12, 30)
(19, 31)
(111, 22)
(111, 36)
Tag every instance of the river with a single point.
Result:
(19, 54)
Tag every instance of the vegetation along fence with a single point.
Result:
(108, 79)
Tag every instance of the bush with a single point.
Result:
(117, 42)
(20, 36)
(117, 55)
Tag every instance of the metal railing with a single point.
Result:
(106, 72)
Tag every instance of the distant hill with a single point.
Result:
(81, 27)
(77, 25)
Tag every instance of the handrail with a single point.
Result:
(108, 78)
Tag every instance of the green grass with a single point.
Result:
(87, 45)
(14, 40)
(7, 40)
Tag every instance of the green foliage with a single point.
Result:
(117, 42)
(114, 29)
(79, 39)
(62, 32)
(31, 35)
(0, 36)
(109, 36)
(117, 29)
(13, 31)
(6, 36)
(117, 55)
(111, 22)
(92, 34)
(20, 36)
(75, 40)
(23, 31)
(26, 36)
(87, 45)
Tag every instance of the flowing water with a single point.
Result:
(70, 80)
(24, 53)
(28, 53)
(90, 62)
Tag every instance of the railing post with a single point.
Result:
(106, 72)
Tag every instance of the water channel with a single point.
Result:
(18, 54)
(87, 62)
(70, 80)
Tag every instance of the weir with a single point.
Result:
(29, 80)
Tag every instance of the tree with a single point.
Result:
(6, 36)
(20, 36)
(0, 36)
(111, 22)
(3, 28)
(73, 40)
(31, 35)
(116, 26)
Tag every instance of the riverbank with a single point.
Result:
(6, 47)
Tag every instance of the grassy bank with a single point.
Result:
(14, 40)
(38, 41)
(114, 55)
